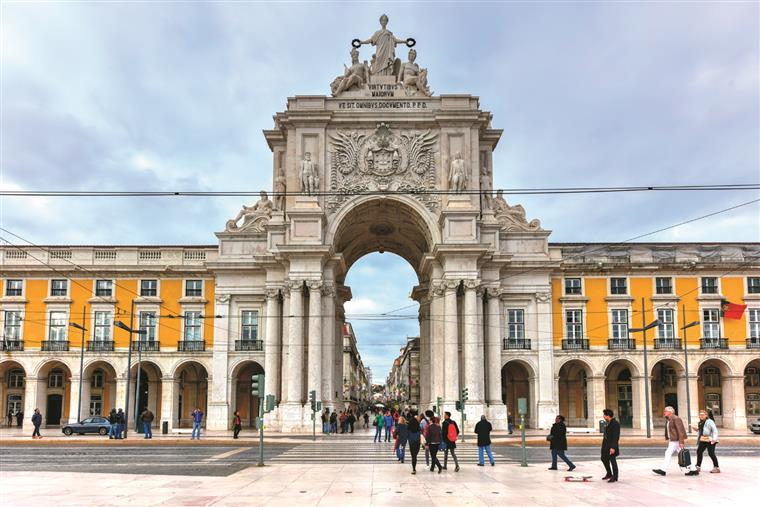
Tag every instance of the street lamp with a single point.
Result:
(131, 331)
(81, 361)
(646, 364)
(686, 364)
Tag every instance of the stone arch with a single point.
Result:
(621, 382)
(751, 374)
(12, 392)
(715, 378)
(148, 393)
(192, 379)
(177, 367)
(98, 387)
(576, 395)
(54, 392)
(242, 398)
(518, 380)
(667, 387)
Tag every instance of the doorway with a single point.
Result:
(625, 404)
(671, 400)
(54, 409)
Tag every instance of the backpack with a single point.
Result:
(451, 433)
(684, 458)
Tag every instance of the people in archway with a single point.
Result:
(483, 430)
(610, 446)
(19, 418)
(675, 434)
(197, 420)
(450, 432)
(237, 425)
(707, 436)
(36, 422)
(558, 443)
(378, 424)
(147, 420)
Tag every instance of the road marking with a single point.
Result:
(227, 454)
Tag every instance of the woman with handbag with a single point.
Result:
(558, 443)
(707, 437)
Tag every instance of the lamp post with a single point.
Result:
(686, 364)
(131, 331)
(81, 360)
(646, 364)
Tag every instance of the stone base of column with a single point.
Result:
(473, 410)
(547, 412)
(218, 417)
(291, 416)
(497, 416)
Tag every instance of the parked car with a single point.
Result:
(90, 425)
(755, 427)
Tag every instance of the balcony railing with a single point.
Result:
(146, 346)
(191, 346)
(100, 346)
(621, 344)
(713, 343)
(55, 345)
(575, 344)
(515, 344)
(11, 345)
(667, 343)
(753, 343)
(249, 345)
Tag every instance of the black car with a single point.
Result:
(95, 424)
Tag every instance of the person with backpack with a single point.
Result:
(378, 424)
(237, 425)
(450, 433)
(434, 441)
(483, 430)
(558, 443)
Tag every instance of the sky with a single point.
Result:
(174, 96)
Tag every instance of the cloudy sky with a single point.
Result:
(174, 96)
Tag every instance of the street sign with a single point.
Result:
(522, 406)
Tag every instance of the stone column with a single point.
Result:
(295, 345)
(451, 344)
(121, 392)
(497, 410)
(219, 407)
(733, 403)
(548, 406)
(73, 417)
(425, 377)
(315, 338)
(328, 346)
(34, 389)
(169, 401)
(285, 337)
(473, 349)
(596, 399)
(272, 343)
(436, 350)
(639, 402)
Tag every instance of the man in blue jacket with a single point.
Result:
(197, 419)
(388, 425)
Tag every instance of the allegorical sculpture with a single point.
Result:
(280, 189)
(309, 175)
(384, 61)
(512, 218)
(254, 217)
(457, 174)
(355, 76)
(412, 77)
(485, 186)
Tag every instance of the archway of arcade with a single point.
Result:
(244, 401)
(518, 380)
(12, 387)
(145, 392)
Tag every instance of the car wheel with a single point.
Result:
(67, 432)
(103, 431)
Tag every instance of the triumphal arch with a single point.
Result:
(383, 164)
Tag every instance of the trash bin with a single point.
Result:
(602, 425)
(165, 428)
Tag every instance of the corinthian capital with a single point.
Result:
(451, 284)
(328, 289)
(493, 292)
(471, 284)
(314, 285)
(436, 289)
(295, 285)
(272, 292)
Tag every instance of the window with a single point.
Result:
(753, 404)
(753, 285)
(710, 323)
(58, 321)
(96, 404)
(59, 287)
(619, 324)
(663, 285)
(250, 331)
(754, 324)
(618, 286)
(712, 402)
(669, 377)
(104, 288)
(13, 287)
(16, 378)
(194, 288)
(15, 403)
(97, 378)
(665, 330)
(574, 324)
(711, 377)
(709, 285)
(573, 286)
(12, 326)
(515, 324)
(148, 324)
(55, 379)
(149, 287)
(103, 326)
(752, 377)
(193, 326)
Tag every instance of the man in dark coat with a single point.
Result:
(483, 430)
(451, 445)
(37, 422)
(610, 446)
(558, 443)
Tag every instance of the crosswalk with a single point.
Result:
(341, 451)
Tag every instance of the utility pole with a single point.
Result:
(686, 364)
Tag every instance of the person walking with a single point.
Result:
(120, 423)
(558, 443)
(610, 446)
(424, 423)
(388, 425)
(378, 424)
(707, 436)
(19, 418)
(675, 434)
(197, 419)
(366, 420)
(334, 422)
(434, 441)
(483, 430)
(450, 432)
(147, 419)
(237, 425)
(37, 422)
(326, 421)
(10, 417)
(113, 427)
(414, 438)
(402, 437)
(351, 421)
(510, 423)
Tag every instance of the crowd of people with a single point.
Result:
(346, 420)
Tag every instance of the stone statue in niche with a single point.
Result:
(254, 217)
(280, 188)
(309, 175)
(485, 184)
(512, 218)
(355, 76)
(412, 77)
(384, 61)
(457, 174)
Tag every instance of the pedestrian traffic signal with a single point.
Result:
(465, 394)
(458, 405)
(269, 403)
(257, 385)
(313, 400)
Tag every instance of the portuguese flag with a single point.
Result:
(732, 310)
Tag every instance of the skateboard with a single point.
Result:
(578, 478)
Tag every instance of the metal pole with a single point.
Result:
(81, 366)
(261, 430)
(686, 369)
(137, 383)
(524, 462)
(129, 368)
(646, 370)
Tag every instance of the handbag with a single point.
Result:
(684, 458)
(704, 438)
(374, 423)
(549, 437)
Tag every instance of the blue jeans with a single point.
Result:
(147, 430)
(112, 431)
(561, 454)
(488, 451)
(325, 427)
(387, 433)
(378, 434)
(401, 452)
(196, 431)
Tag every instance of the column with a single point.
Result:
(425, 378)
(473, 350)
(328, 345)
(596, 400)
(73, 417)
(272, 343)
(733, 403)
(548, 406)
(315, 338)
(493, 348)
(218, 417)
(34, 389)
(285, 338)
(121, 392)
(295, 344)
(437, 317)
(451, 344)
(639, 402)
(169, 401)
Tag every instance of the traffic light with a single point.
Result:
(257, 385)
(465, 394)
(313, 400)
(458, 405)
(269, 403)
